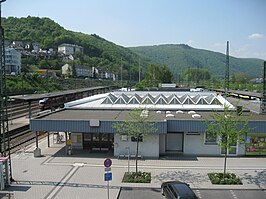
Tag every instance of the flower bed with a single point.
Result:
(228, 179)
(140, 177)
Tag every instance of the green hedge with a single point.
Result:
(140, 177)
(228, 179)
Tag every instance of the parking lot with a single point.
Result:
(81, 175)
(155, 193)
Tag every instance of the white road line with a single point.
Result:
(198, 194)
(233, 194)
(65, 179)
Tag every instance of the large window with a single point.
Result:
(210, 138)
(134, 139)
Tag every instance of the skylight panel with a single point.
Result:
(112, 97)
(107, 101)
(188, 101)
(133, 101)
(173, 99)
(183, 98)
(147, 100)
(120, 100)
(125, 97)
(209, 98)
(161, 101)
(216, 102)
(196, 99)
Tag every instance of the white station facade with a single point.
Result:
(180, 119)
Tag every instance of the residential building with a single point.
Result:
(82, 71)
(69, 49)
(67, 70)
(12, 61)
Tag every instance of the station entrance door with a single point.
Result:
(174, 142)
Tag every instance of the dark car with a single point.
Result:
(177, 190)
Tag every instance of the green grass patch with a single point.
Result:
(228, 179)
(140, 177)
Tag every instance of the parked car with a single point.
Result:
(177, 190)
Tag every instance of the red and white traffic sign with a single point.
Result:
(107, 162)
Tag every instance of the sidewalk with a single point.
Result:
(81, 175)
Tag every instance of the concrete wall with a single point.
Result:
(148, 148)
(161, 143)
(77, 140)
(194, 144)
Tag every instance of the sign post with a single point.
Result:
(108, 174)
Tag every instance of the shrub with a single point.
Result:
(140, 177)
(228, 179)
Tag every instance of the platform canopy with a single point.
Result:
(154, 101)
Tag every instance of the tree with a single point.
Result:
(229, 128)
(166, 75)
(138, 124)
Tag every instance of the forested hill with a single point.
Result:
(106, 55)
(98, 51)
(180, 56)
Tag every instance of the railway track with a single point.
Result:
(20, 138)
(18, 109)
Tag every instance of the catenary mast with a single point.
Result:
(4, 131)
(226, 79)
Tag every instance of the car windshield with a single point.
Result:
(183, 190)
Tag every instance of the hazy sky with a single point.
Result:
(205, 24)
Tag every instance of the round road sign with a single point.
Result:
(107, 162)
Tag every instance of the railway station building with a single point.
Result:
(179, 118)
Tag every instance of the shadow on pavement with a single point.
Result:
(139, 193)
(180, 157)
(65, 184)
(18, 188)
(76, 153)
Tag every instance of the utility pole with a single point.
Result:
(139, 69)
(226, 79)
(4, 132)
(121, 73)
(263, 99)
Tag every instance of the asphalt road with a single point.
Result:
(155, 193)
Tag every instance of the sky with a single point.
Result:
(204, 24)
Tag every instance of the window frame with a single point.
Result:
(210, 142)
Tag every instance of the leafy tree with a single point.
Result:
(156, 74)
(44, 64)
(166, 75)
(138, 124)
(229, 127)
(242, 77)
(197, 74)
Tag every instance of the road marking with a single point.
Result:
(233, 194)
(198, 194)
(64, 180)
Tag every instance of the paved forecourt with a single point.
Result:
(81, 175)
